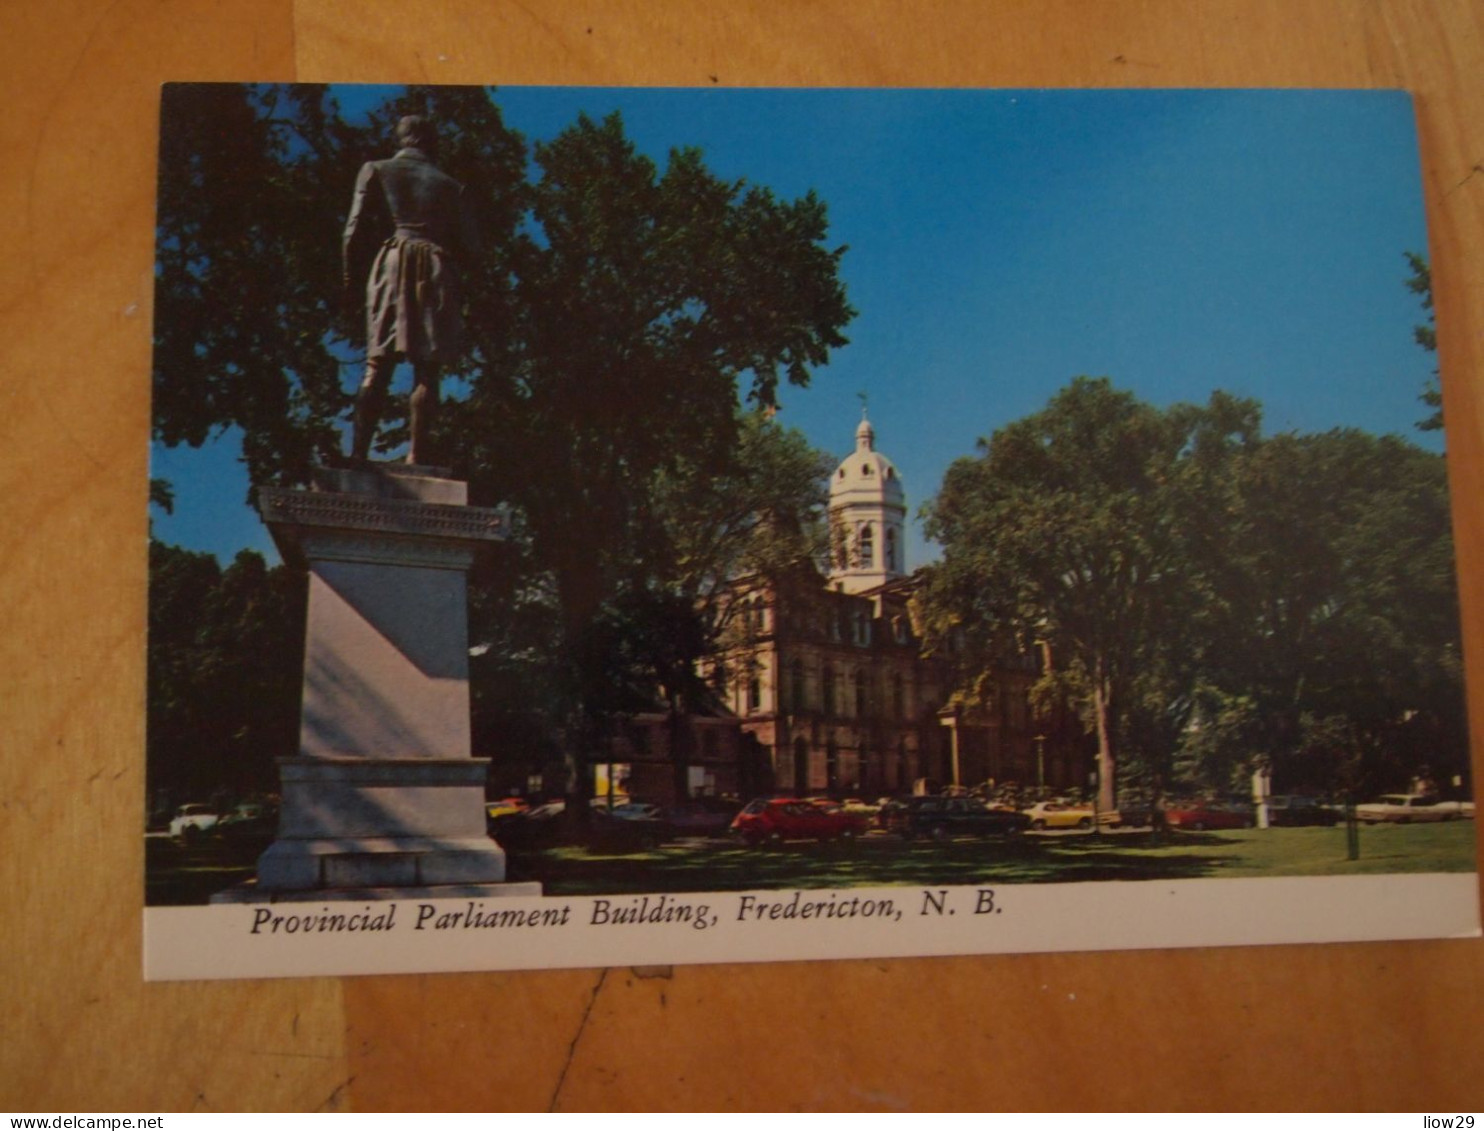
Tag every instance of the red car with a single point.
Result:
(1201, 815)
(773, 821)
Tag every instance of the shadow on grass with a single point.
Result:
(182, 876)
(177, 875)
(873, 862)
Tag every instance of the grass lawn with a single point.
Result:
(190, 876)
(885, 861)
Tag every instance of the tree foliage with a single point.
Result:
(251, 330)
(1213, 599)
(1426, 336)
(620, 316)
(1339, 605)
(225, 657)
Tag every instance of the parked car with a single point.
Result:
(628, 828)
(1286, 810)
(1201, 815)
(505, 807)
(944, 817)
(1405, 808)
(1070, 815)
(191, 821)
(528, 828)
(774, 820)
(702, 816)
(828, 804)
(617, 831)
(249, 821)
(247, 831)
(627, 807)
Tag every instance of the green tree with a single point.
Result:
(1338, 611)
(251, 332)
(651, 303)
(1084, 526)
(620, 317)
(1426, 336)
(225, 658)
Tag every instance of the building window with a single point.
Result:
(829, 690)
(861, 705)
(868, 547)
(898, 696)
(754, 691)
(891, 549)
(862, 624)
(796, 686)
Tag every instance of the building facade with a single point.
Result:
(827, 675)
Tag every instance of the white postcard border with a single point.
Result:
(436, 936)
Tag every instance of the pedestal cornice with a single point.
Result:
(333, 526)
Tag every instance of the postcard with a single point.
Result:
(644, 526)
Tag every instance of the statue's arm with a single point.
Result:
(361, 228)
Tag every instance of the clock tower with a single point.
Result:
(868, 515)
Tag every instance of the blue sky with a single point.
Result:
(1004, 242)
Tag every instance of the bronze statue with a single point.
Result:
(407, 229)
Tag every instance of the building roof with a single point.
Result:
(866, 476)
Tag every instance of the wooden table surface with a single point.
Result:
(1377, 1026)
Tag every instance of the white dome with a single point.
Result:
(866, 475)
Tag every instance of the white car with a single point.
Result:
(190, 821)
(1405, 808)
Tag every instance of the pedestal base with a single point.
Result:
(384, 796)
(352, 823)
(297, 865)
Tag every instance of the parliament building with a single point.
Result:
(823, 687)
(827, 677)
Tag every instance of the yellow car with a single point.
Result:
(1070, 815)
(507, 807)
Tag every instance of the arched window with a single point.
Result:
(868, 546)
(891, 549)
(755, 689)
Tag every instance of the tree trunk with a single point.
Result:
(679, 750)
(1102, 702)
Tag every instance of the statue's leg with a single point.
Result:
(369, 403)
(424, 407)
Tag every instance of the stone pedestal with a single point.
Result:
(384, 795)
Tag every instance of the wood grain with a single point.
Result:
(1383, 1026)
